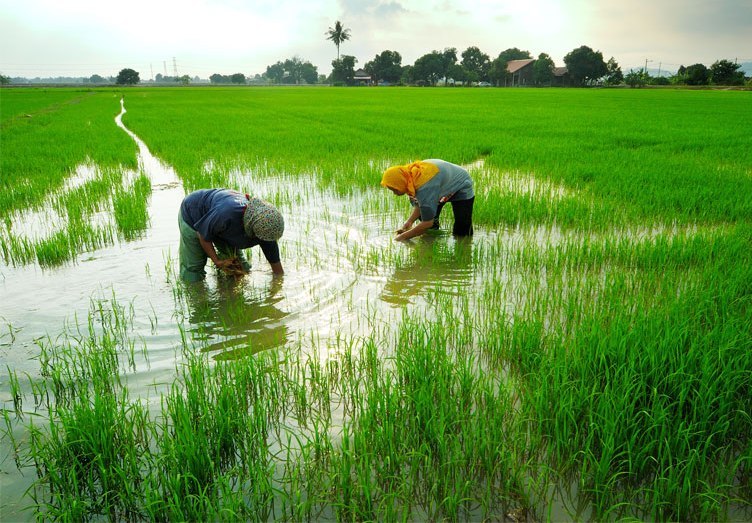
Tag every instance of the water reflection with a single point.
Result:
(438, 263)
(234, 319)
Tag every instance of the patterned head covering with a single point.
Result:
(262, 220)
(407, 178)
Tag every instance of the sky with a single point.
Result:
(50, 38)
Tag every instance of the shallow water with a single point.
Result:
(345, 276)
(336, 284)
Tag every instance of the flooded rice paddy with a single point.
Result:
(345, 278)
(344, 272)
(338, 283)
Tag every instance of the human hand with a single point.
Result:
(224, 263)
(232, 267)
(406, 227)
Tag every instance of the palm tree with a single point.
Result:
(338, 35)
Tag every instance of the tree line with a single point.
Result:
(583, 67)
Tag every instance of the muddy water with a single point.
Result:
(323, 249)
(344, 276)
(336, 284)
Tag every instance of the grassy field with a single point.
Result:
(653, 154)
(600, 361)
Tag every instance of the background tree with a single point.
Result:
(543, 70)
(476, 63)
(386, 66)
(614, 76)
(635, 78)
(697, 74)
(4, 80)
(498, 73)
(237, 78)
(292, 71)
(164, 79)
(585, 66)
(308, 72)
(724, 72)
(408, 75)
(429, 68)
(294, 68)
(127, 77)
(275, 72)
(343, 70)
(448, 60)
(338, 34)
(459, 74)
(96, 79)
(659, 80)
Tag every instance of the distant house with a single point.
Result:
(362, 78)
(521, 72)
(561, 77)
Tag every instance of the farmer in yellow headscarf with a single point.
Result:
(429, 185)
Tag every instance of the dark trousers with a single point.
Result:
(463, 216)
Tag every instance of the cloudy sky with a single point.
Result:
(200, 37)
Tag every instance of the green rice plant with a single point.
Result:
(54, 250)
(625, 160)
(585, 356)
(65, 128)
(129, 208)
(63, 246)
(98, 439)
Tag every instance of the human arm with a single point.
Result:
(277, 269)
(271, 253)
(212, 253)
(415, 231)
(414, 215)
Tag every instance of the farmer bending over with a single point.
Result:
(218, 224)
(430, 184)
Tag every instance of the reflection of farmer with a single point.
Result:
(430, 184)
(232, 323)
(231, 221)
(438, 265)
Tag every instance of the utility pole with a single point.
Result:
(659, 68)
(175, 67)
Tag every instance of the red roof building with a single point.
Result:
(521, 71)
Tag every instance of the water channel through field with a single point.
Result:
(345, 277)
(336, 284)
(326, 286)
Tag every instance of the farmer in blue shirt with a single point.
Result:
(430, 184)
(220, 223)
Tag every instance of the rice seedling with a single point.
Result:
(65, 156)
(65, 128)
(585, 356)
(130, 208)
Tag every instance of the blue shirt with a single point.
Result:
(451, 183)
(217, 215)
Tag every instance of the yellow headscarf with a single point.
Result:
(407, 178)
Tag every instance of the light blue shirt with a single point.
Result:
(451, 183)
